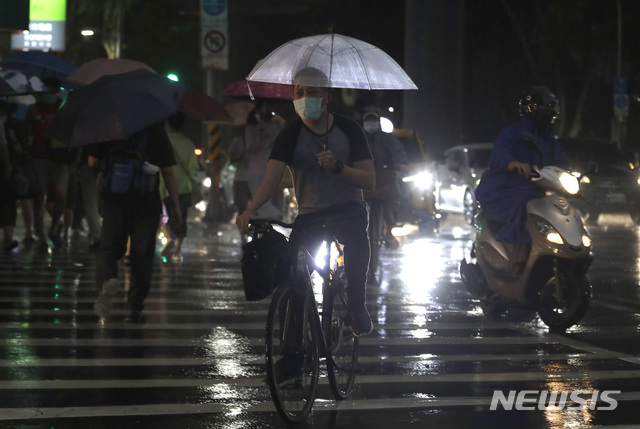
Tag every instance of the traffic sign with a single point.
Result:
(214, 41)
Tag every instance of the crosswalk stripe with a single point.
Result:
(504, 377)
(319, 406)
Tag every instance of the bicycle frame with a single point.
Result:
(296, 329)
(326, 273)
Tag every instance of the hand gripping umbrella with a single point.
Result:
(115, 107)
(347, 62)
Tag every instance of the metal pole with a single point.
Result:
(619, 37)
(120, 26)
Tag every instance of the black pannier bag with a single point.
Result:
(266, 263)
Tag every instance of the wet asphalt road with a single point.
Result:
(433, 361)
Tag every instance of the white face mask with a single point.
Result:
(371, 126)
(309, 108)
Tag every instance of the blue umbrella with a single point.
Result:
(115, 107)
(41, 64)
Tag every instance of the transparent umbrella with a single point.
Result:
(347, 62)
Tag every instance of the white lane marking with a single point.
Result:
(192, 342)
(506, 377)
(321, 405)
(260, 360)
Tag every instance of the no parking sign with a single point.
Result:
(214, 44)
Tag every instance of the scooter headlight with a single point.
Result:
(549, 232)
(586, 241)
(569, 183)
(422, 181)
(555, 237)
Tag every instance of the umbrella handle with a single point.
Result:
(250, 92)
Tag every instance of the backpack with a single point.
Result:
(123, 169)
(266, 263)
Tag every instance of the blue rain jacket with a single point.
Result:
(503, 194)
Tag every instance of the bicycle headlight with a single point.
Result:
(569, 183)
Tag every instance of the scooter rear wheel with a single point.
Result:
(558, 314)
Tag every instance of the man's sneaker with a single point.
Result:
(102, 307)
(360, 322)
(289, 370)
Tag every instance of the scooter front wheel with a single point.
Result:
(560, 313)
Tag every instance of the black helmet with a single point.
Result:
(541, 105)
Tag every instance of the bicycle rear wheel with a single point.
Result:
(291, 353)
(341, 342)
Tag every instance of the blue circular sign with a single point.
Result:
(214, 7)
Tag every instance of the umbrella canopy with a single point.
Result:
(246, 89)
(204, 105)
(41, 64)
(115, 107)
(13, 82)
(95, 69)
(347, 62)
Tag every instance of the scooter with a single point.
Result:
(553, 281)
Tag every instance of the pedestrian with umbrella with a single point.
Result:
(121, 119)
(327, 153)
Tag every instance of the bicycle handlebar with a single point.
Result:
(261, 223)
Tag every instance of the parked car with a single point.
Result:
(457, 176)
(611, 182)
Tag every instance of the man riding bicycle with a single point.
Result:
(330, 161)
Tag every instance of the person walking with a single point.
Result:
(53, 159)
(8, 207)
(134, 213)
(389, 160)
(86, 177)
(185, 172)
(261, 130)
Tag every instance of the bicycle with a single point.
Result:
(298, 334)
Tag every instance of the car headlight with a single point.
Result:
(569, 183)
(586, 241)
(422, 181)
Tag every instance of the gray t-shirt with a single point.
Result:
(316, 188)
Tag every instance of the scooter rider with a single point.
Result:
(505, 187)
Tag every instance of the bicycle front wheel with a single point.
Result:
(291, 353)
(342, 344)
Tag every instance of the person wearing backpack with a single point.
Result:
(128, 183)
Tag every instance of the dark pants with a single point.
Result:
(138, 220)
(349, 226)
